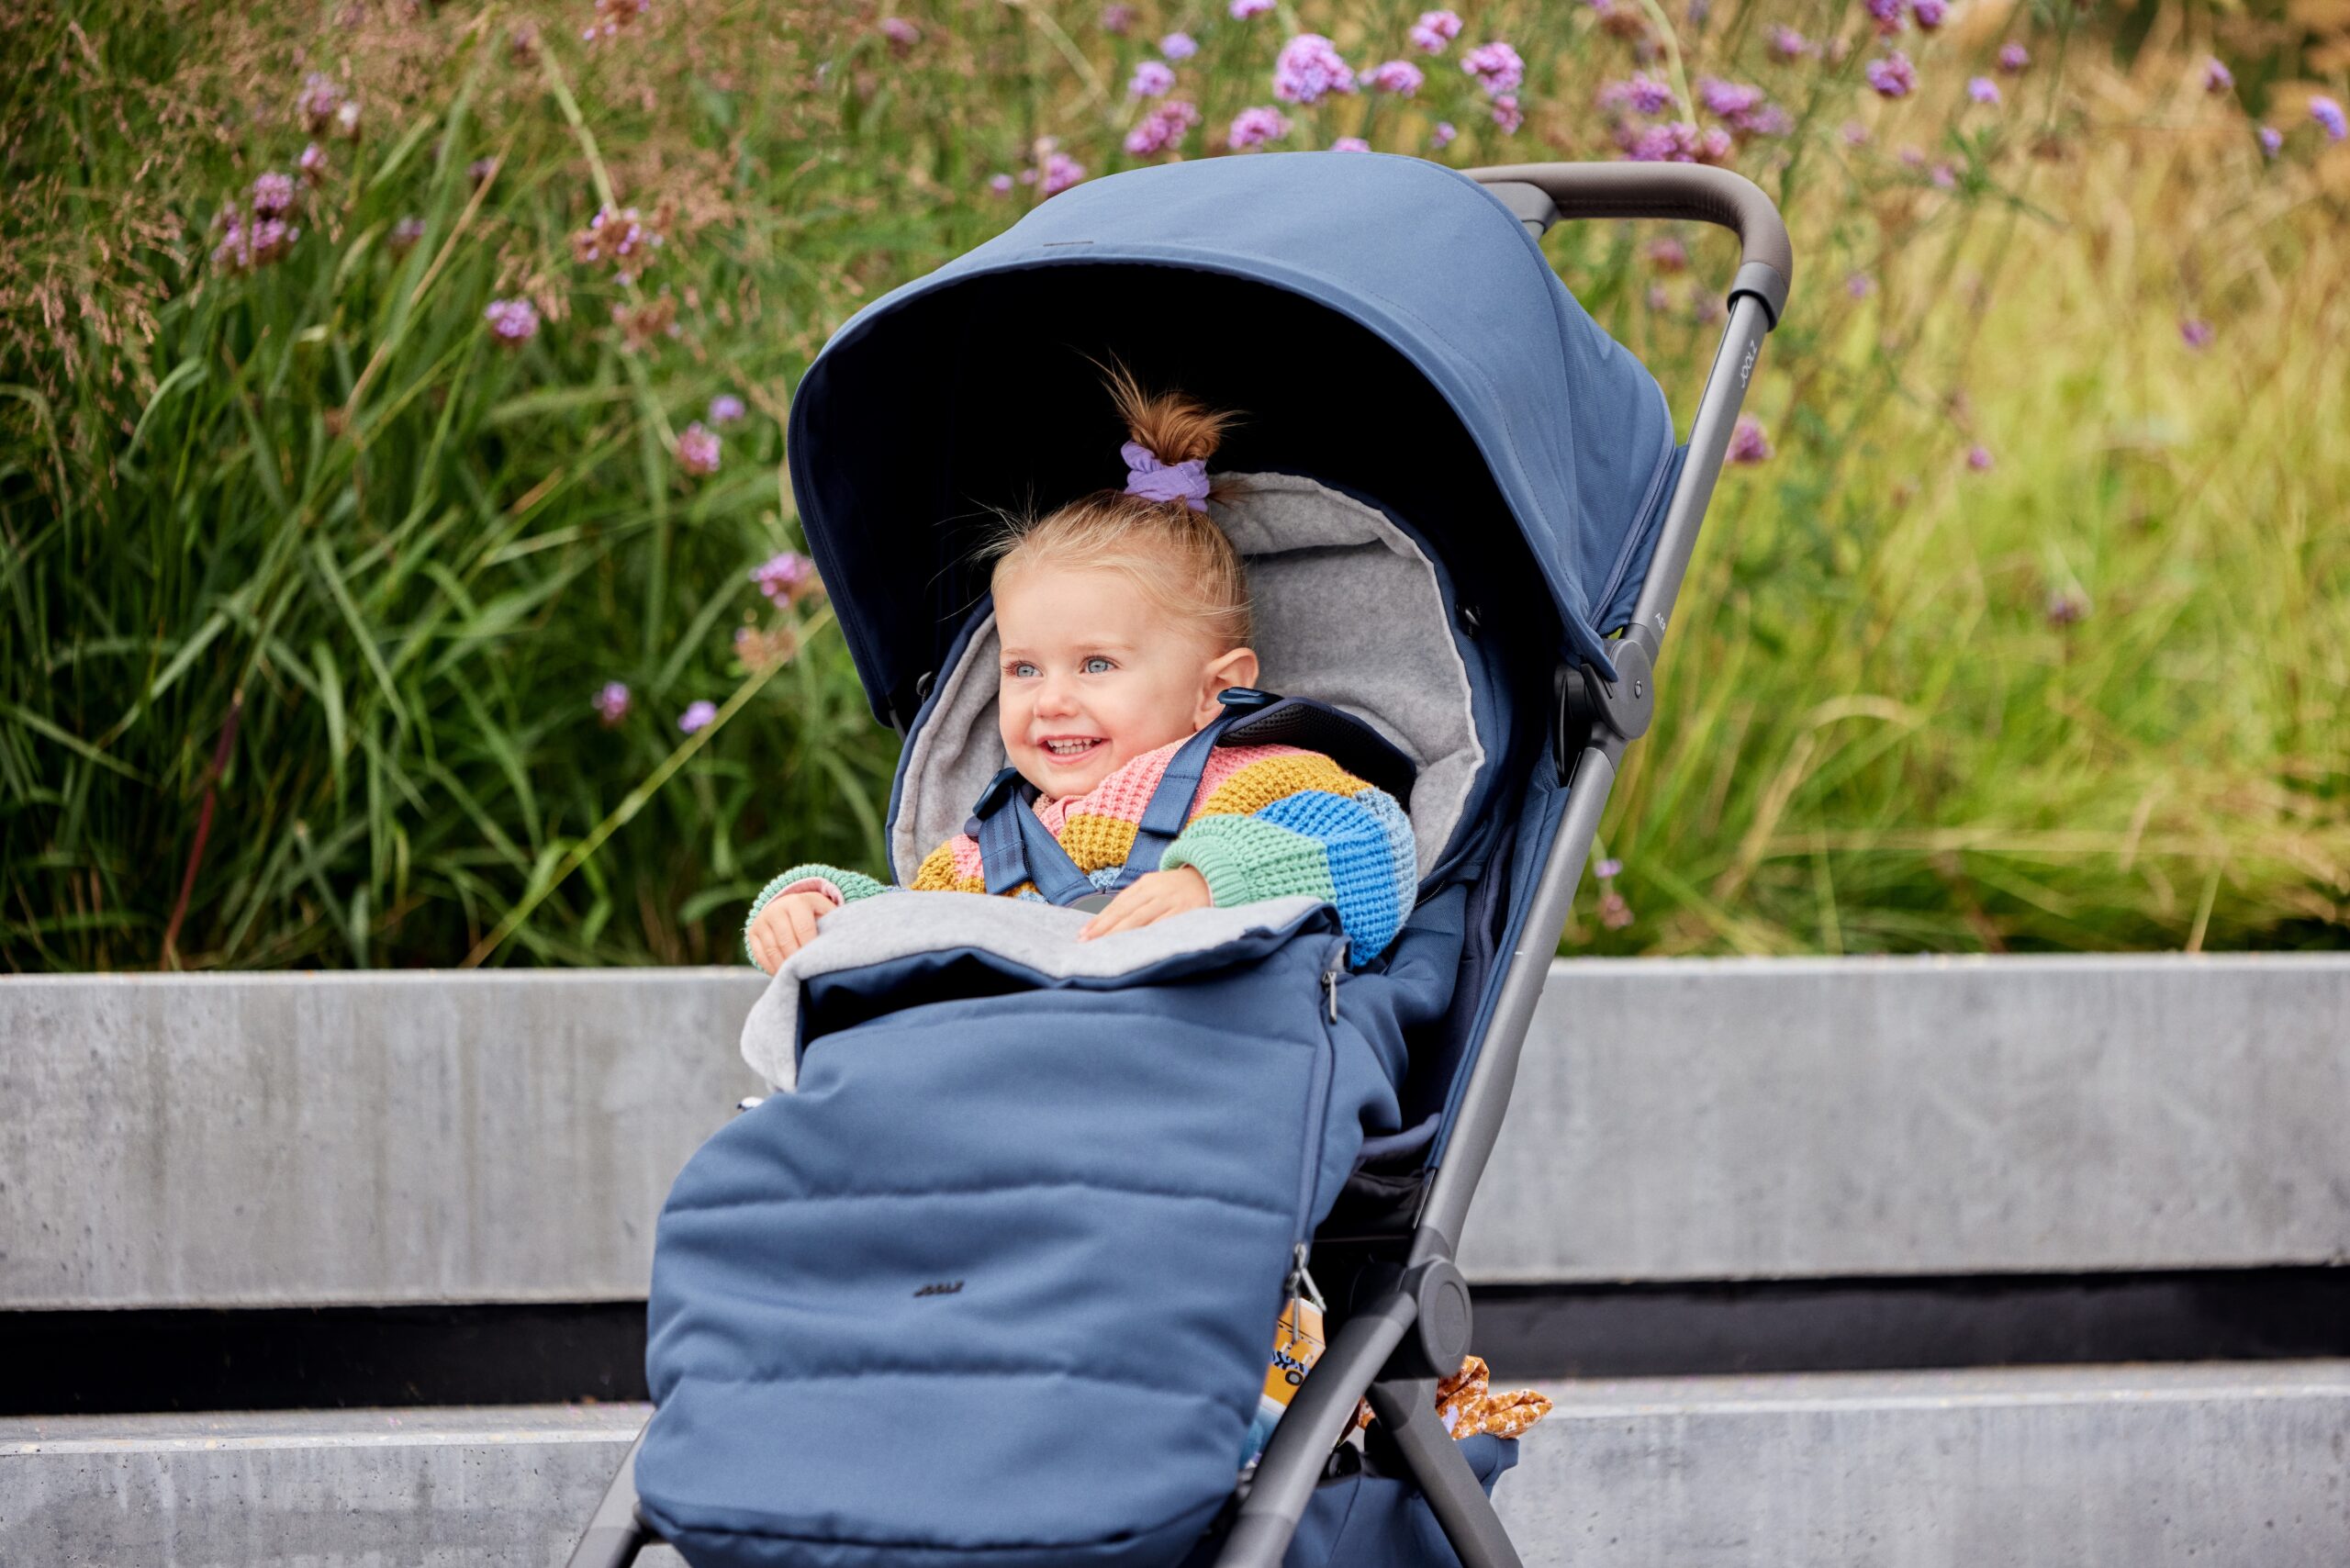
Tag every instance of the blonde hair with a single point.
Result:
(1177, 555)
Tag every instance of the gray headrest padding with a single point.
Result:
(1348, 610)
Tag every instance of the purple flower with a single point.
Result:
(1978, 458)
(1179, 45)
(273, 195)
(346, 119)
(1163, 128)
(1117, 19)
(1255, 127)
(1860, 286)
(1609, 871)
(611, 15)
(2013, 57)
(1929, 14)
(313, 164)
(1400, 77)
(1308, 68)
(1151, 78)
(1000, 184)
(1668, 255)
(2217, 78)
(1614, 912)
(1855, 133)
(1887, 14)
(2328, 114)
(1748, 444)
(1944, 176)
(698, 448)
(2195, 332)
(1894, 76)
(1061, 171)
(902, 34)
(245, 246)
(1244, 9)
(622, 238)
(1441, 137)
(480, 170)
(611, 703)
(1434, 30)
(725, 409)
(1506, 113)
(785, 577)
(1641, 95)
(698, 716)
(2064, 609)
(1982, 89)
(404, 235)
(1660, 297)
(1495, 66)
(512, 321)
(1728, 100)
(2271, 140)
(1350, 144)
(321, 95)
(1675, 141)
(1789, 44)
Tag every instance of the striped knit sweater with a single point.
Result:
(1268, 821)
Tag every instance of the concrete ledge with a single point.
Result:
(316, 1139)
(1808, 1118)
(397, 1138)
(2093, 1468)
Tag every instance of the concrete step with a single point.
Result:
(406, 1138)
(2117, 1467)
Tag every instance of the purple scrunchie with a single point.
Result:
(1149, 477)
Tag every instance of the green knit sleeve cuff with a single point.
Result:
(1246, 859)
(850, 885)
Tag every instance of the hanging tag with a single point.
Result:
(1298, 1343)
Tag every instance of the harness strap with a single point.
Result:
(1015, 847)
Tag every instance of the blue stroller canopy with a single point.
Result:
(1300, 281)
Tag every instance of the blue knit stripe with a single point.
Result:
(1362, 863)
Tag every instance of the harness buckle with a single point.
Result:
(993, 796)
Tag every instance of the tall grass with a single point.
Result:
(317, 521)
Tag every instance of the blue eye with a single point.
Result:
(1022, 670)
(1098, 666)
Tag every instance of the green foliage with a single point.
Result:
(2091, 697)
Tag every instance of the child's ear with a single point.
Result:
(1238, 667)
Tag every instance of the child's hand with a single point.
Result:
(786, 924)
(1150, 897)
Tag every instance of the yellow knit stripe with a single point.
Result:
(1093, 842)
(936, 874)
(1260, 784)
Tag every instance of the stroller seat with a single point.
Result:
(996, 1282)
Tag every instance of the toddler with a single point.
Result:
(1122, 617)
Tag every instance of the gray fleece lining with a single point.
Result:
(1026, 932)
(1348, 610)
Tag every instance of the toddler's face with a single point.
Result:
(1094, 675)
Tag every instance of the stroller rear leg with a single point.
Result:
(615, 1535)
(1406, 1412)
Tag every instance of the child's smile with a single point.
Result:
(1095, 673)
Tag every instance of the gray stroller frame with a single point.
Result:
(1409, 1320)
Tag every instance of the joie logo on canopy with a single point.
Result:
(942, 1287)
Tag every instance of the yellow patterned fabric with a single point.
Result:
(1093, 842)
(1467, 1406)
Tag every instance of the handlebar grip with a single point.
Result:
(1694, 191)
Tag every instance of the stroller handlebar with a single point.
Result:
(1542, 193)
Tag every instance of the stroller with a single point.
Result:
(997, 1284)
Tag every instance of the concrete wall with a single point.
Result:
(424, 1138)
(2082, 1468)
